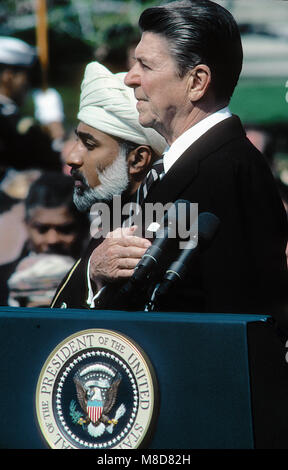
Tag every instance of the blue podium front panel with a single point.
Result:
(200, 361)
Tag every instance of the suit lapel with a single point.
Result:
(186, 168)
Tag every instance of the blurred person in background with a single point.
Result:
(118, 46)
(27, 142)
(14, 188)
(264, 141)
(56, 235)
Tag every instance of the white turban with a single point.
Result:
(108, 105)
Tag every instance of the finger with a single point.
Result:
(127, 263)
(132, 230)
(122, 232)
(130, 252)
(125, 236)
(125, 273)
(127, 241)
(135, 241)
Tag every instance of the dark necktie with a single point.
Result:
(156, 173)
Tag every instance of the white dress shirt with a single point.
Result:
(191, 135)
(91, 296)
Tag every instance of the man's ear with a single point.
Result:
(199, 82)
(139, 162)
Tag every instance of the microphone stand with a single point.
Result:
(208, 225)
(132, 295)
(151, 304)
(173, 274)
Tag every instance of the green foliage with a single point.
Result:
(74, 413)
(260, 101)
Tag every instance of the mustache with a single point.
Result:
(78, 176)
(57, 249)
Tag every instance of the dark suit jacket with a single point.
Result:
(73, 290)
(244, 268)
(31, 148)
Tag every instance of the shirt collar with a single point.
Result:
(191, 135)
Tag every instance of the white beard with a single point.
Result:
(113, 181)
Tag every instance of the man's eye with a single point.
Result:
(144, 66)
(90, 145)
(66, 229)
(41, 228)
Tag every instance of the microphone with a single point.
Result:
(180, 214)
(172, 225)
(177, 216)
(208, 224)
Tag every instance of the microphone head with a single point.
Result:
(178, 209)
(178, 216)
(208, 225)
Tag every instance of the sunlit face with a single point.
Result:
(161, 94)
(98, 166)
(52, 230)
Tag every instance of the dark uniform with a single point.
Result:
(23, 143)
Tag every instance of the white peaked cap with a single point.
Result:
(16, 52)
(108, 105)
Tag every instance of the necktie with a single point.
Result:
(156, 173)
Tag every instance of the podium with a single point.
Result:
(222, 380)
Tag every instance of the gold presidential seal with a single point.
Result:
(96, 390)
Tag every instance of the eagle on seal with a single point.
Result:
(96, 388)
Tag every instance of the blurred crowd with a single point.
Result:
(42, 233)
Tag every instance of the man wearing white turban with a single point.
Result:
(111, 156)
(113, 151)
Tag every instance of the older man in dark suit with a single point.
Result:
(187, 66)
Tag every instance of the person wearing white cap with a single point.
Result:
(24, 143)
(111, 156)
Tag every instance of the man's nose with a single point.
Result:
(132, 78)
(52, 237)
(75, 156)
